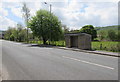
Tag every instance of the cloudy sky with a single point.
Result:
(73, 13)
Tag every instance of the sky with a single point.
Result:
(72, 13)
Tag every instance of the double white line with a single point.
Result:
(88, 62)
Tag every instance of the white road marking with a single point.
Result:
(88, 62)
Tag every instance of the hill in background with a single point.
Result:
(108, 33)
(114, 27)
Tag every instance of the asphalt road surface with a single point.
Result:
(25, 62)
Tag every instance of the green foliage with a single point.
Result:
(108, 33)
(107, 46)
(8, 34)
(46, 25)
(17, 34)
(102, 35)
(58, 43)
(112, 35)
(89, 29)
(118, 36)
(74, 31)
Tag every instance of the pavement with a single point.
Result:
(97, 52)
(32, 62)
(106, 53)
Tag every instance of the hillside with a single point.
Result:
(115, 28)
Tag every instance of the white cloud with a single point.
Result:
(103, 13)
(3, 12)
(95, 13)
(17, 12)
(5, 23)
(75, 13)
(34, 0)
(59, 0)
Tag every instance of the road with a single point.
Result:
(25, 62)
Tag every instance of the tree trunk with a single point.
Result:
(44, 41)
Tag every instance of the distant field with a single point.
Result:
(107, 46)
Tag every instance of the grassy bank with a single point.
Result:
(107, 46)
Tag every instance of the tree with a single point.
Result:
(65, 29)
(112, 35)
(16, 34)
(118, 35)
(26, 15)
(102, 35)
(89, 29)
(46, 25)
(20, 33)
(8, 33)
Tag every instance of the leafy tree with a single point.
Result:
(16, 34)
(20, 34)
(112, 35)
(89, 29)
(102, 35)
(102, 32)
(46, 25)
(118, 35)
(8, 34)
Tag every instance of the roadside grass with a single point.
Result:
(55, 43)
(107, 46)
(58, 43)
(111, 46)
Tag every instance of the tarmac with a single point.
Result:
(106, 53)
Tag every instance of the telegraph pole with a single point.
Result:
(51, 21)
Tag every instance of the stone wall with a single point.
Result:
(67, 41)
(84, 42)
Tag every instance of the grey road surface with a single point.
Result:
(25, 62)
